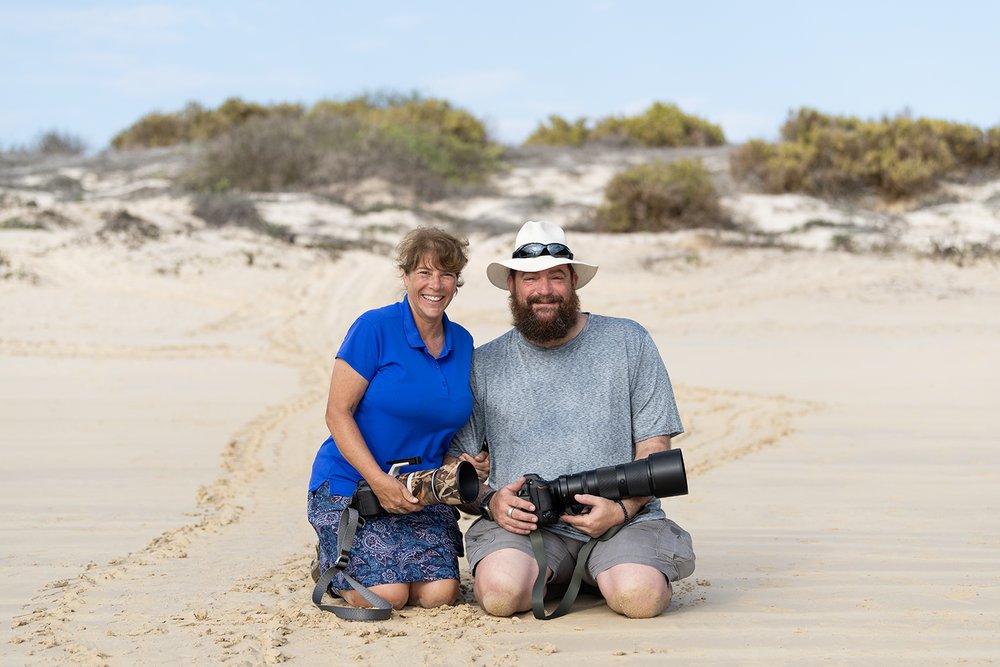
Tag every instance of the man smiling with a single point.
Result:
(562, 392)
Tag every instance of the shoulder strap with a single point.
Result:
(573, 589)
(381, 608)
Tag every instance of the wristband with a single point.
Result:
(484, 506)
(624, 511)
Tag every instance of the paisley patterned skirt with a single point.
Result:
(391, 548)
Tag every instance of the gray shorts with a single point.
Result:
(659, 543)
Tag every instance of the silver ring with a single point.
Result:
(510, 512)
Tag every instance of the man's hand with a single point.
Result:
(511, 512)
(603, 514)
(481, 462)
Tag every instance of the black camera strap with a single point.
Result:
(381, 608)
(573, 589)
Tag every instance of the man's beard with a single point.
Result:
(538, 330)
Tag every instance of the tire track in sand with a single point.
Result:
(53, 625)
(255, 609)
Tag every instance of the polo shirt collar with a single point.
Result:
(413, 334)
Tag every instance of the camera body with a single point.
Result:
(539, 492)
(661, 474)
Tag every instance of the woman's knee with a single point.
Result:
(395, 594)
(429, 594)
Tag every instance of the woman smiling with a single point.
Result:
(400, 389)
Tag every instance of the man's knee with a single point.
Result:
(635, 591)
(503, 582)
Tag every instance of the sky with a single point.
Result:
(93, 68)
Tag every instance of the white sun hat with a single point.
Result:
(539, 245)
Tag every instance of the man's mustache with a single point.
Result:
(532, 300)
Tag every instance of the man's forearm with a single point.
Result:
(472, 507)
(660, 443)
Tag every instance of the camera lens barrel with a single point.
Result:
(467, 481)
(661, 474)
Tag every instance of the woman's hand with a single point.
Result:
(393, 496)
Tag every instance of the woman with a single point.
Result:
(400, 388)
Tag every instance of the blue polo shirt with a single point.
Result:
(414, 403)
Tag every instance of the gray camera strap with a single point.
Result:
(569, 597)
(381, 609)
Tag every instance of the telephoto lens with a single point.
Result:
(661, 474)
(451, 484)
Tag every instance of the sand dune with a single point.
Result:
(160, 406)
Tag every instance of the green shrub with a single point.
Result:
(662, 125)
(429, 156)
(559, 132)
(437, 116)
(844, 156)
(413, 111)
(152, 131)
(196, 123)
(661, 197)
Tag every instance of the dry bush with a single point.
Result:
(422, 144)
(55, 142)
(22, 224)
(843, 156)
(316, 151)
(993, 146)
(133, 230)
(662, 197)
(226, 209)
(37, 219)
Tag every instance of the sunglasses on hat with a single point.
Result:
(540, 249)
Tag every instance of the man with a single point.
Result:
(564, 392)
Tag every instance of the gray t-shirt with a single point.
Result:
(564, 410)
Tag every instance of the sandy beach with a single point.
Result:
(161, 403)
